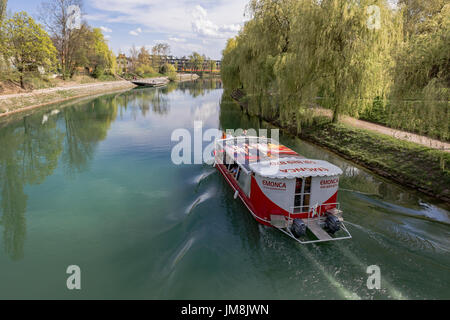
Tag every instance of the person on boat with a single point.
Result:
(234, 171)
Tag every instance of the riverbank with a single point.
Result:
(14, 103)
(182, 77)
(412, 165)
(18, 102)
(395, 133)
(409, 164)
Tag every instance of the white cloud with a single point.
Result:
(173, 39)
(203, 26)
(136, 32)
(215, 20)
(105, 29)
(231, 28)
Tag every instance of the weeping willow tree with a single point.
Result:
(230, 67)
(3, 4)
(421, 94)
(343, 53)
(294, 51)
(249, 59)
(417, 14)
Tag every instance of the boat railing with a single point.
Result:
(315, 224)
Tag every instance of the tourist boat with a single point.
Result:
(282, 189)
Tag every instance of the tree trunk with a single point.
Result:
(336, 112)
(22, 84)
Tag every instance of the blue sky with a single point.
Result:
(187, 25)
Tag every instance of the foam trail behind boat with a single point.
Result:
(182, 252)
(198, 179)
(342, 291)
(200, 199)
(393, 292)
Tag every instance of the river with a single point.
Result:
(91, 183)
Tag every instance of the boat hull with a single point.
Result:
(262, 208)
(241, 194)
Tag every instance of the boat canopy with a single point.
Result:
(294, 167)
(267, 158)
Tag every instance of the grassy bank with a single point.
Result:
(409, 164)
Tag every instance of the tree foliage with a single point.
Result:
(83, 47)
(348, 56)
(196, 61)
(3, 5)
(421, 90)
(55, 16)
(27, 45)
(159, 51)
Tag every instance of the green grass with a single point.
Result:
(408, 163)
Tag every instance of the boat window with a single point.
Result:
(306, 199)
(298, 186)
(298, 201)
(308, 185)
(302, 195)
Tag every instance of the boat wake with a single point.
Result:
(202, 198)
(181, 252)
(202, 177)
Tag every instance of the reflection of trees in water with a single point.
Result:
(160, 103)
(30, 150)
(355, 179)
(29, 154)
(364, 182)
(85, 127)
(146, 99)
(200, 87)
(232, 117)
(156, 99)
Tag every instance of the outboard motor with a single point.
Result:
(332, 224)
(298, 228)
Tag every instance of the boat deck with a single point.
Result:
(267, 158)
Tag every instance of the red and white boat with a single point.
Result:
(282, 189)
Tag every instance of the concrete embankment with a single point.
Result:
(14, 103)
(181, 77)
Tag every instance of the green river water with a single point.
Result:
(91, 183)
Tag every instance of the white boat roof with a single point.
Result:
(267, 158)
(294, 167)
